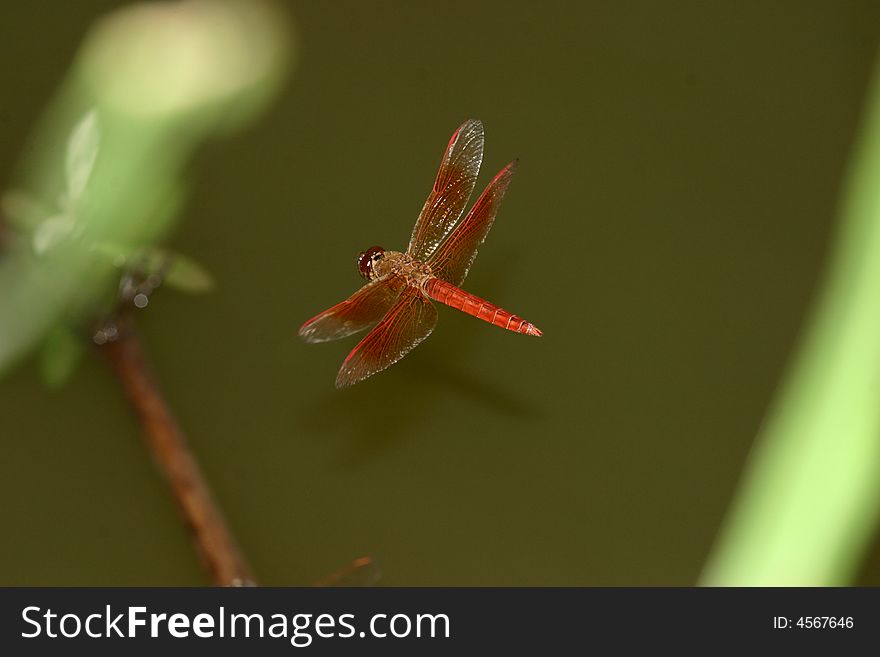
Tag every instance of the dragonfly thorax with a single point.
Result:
(399, 264)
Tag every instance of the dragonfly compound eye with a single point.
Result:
(367, 259)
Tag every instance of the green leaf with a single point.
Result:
(186, 275)
(82, 151)
(161, 78)
(52, 231)
(61, 353)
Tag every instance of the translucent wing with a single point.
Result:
(361, 310)
(455, 256)
(452, 190)
(409, 321)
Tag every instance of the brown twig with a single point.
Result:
(168, 445)
(360, 572)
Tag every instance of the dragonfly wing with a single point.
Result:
(360, 311)
(456, 255)
(409, 321)
(452, 190)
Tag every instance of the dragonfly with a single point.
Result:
(397, 299)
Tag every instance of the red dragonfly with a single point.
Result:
(397, 298)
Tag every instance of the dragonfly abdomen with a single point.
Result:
(454, 297)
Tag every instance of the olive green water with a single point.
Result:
(666, 230)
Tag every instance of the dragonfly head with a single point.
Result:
(367, 260)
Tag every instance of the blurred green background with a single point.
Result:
(679, 174)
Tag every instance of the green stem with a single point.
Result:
(808, 503)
